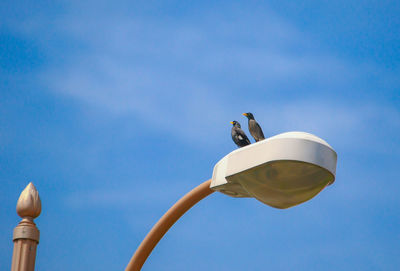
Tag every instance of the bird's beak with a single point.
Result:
(244, 114)
(231, 122)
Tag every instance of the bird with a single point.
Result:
(238, 135)
(254, 128)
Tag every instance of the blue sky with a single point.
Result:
(114, 110)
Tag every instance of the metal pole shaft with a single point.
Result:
(26, 238)
(165, 223)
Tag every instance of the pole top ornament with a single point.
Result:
(29, 204)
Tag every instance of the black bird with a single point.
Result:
(238, 135)
(254, 127)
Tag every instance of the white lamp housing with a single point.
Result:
(281, 171)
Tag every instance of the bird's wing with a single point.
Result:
(261, 131)
(243, 136)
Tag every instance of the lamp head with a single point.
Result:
(281, 171)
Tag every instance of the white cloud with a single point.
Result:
(128, 196)
(192, 78)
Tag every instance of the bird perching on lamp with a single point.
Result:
(254, 128)
(238, 135)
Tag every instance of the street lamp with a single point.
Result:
(281, 171)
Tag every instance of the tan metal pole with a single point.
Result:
(26, 234)
(165, 222)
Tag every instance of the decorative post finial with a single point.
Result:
(26, 234)
(29, 204)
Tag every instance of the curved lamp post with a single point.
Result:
(281, 171)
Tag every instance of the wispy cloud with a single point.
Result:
(128, 196)
(189, 79)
